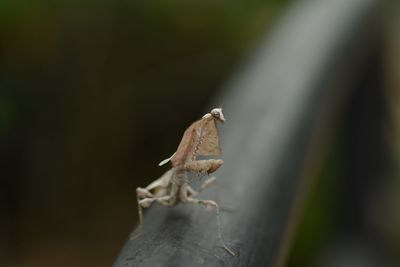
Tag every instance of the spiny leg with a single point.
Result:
(138, 230)
(211, 181)
(144, 193)
(203, 166)
(207, 204)
(145, 202)
(205, 185)
(217, 199)
(140, 193)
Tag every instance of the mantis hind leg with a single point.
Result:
(145, 203)
(207, 204)
(140, 193)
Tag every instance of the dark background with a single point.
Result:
(93, 94)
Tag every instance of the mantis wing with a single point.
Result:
(200, 139)
(209, 140)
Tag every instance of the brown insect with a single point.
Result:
(172, 188)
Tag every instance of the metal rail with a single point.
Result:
(275, 106)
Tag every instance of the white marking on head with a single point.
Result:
(217, 113)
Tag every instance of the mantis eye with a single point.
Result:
(217, 113)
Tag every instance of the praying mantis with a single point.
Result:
(172, 188)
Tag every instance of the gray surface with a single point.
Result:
(271, 106)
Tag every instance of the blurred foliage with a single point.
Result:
(318, 222)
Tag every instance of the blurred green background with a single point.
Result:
(93, 94)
